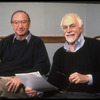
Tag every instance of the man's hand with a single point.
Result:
(13, 84)
(78, 78)
(30, 93)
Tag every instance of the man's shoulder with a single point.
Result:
(92, 42)
(89, 39)
(34, 37)
(9, 37)
(60, 50)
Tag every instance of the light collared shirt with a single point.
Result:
(27, 38)
(78, 44)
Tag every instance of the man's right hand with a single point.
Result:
(13, 84)
(30, 93)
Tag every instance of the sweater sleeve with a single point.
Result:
(96, 74)
(41, 59)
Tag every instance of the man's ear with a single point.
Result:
(81, 29)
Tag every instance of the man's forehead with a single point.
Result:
(20, 15)
(68, 20)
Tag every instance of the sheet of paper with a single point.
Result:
(35, 81)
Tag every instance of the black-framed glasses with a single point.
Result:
(65, 91)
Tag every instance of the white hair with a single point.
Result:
(80, 21)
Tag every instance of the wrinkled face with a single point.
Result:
(71, 29)
(20, 23)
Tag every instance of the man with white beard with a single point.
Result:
(76, 65)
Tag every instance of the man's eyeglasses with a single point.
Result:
(68, 84)
(16, 23)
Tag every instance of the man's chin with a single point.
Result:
(20, 34)
(71, 41)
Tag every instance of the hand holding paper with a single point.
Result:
(35, 81)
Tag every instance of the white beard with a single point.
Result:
(71, 37)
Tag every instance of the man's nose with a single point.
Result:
(69, 30)
(20, 24)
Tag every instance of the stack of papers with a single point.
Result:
(35, 81)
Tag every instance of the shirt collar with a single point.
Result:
(78, 44)
(27, 38)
